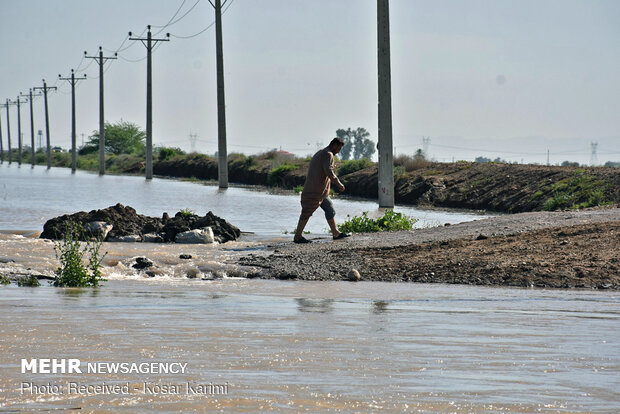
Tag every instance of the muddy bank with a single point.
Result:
(542, 249)
(509, 188)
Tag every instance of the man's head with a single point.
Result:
(336, 145)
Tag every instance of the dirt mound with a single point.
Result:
(126, 221)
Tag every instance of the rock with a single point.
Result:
(354, 275)
(6, 260)
(142, 263)
(185, 256)
(152, 238)
(481, 237)
(192, 273)
(125, 239)
(198, 236)
(99, 229)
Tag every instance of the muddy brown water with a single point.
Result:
(316, 346)
(281, 346)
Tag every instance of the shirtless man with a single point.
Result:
(316, 190)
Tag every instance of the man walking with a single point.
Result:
(316, 190)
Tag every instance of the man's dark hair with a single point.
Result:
(337, 141)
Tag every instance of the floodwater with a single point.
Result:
(282, 346)
(31, 196)
(314, 346)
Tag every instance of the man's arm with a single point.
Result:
(328, 167)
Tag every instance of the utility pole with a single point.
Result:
(30, 95)
(101, 60)
(547, 158)
(19, 130)
(1, 148)
(73, 80)
(221, 105)
(386, 154)
(149, 97)
(8, 127)
(47, 123)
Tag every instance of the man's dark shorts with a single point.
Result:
(309, 206)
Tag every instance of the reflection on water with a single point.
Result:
(320, 346)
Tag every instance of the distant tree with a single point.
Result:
(356, 142)
(419, 155)
(345, 135)
(482, 159)
(569, 164)
(120, 138)
(612, 164)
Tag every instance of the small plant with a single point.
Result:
(298, 188)
(4, 280)
(390, 221)
(30, 281)
(69, 251)
(186, 212)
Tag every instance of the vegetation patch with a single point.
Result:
(4, 280)
(351, 166)
(73, 271)
(30, 281)
(276, 175)
(391, 221)
(579, 191)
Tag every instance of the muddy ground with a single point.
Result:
(576, 249)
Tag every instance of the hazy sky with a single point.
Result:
(479, 77)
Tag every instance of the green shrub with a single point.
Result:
(4, 280)
(351, 166)
(399, 171)
(390, 221)
(276, 175)
(69, 251)
(298, 188)
(30, 281)
(166, 153)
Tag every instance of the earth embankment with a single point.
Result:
(509, 188)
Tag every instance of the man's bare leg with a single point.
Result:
(301, 225)
(333, 227)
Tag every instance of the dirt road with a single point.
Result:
(574, 249)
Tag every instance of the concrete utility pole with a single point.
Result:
(19, 130)
(149, 98)
(73, 80)
(1, 147)
(221, 105)
(386, 155)
(47, 123)
(8, 127)
(101, 60)
(30, 95)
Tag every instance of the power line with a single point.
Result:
(206, 28)
(170, 23)
(173, 16)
